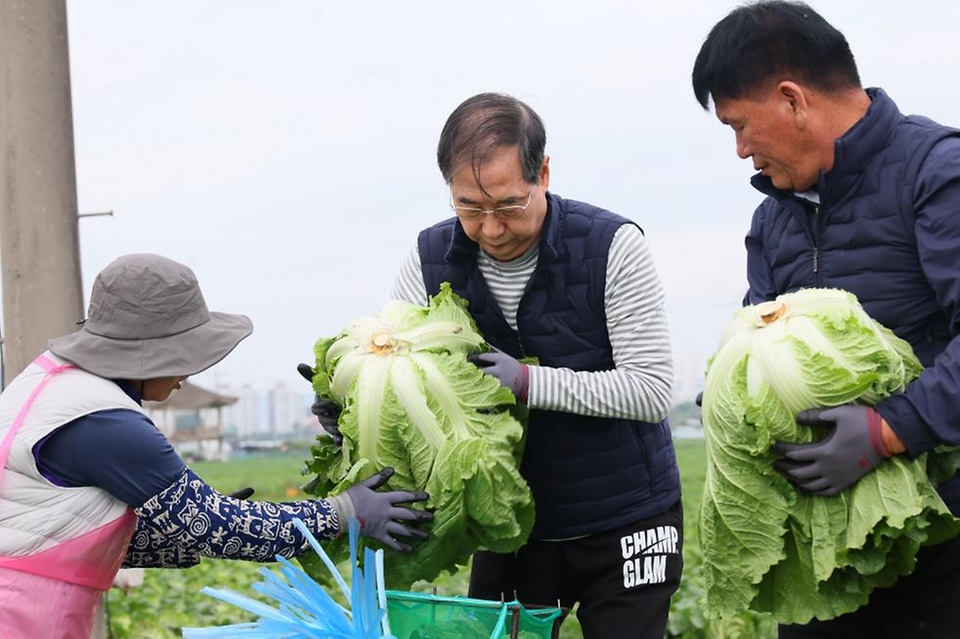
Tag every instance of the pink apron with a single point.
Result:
(54, 593)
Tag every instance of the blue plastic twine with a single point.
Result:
(303, 608)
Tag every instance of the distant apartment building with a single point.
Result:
(287, 409)
(274, 413)
(247, 418)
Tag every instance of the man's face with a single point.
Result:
(770, 129)
(501, 175)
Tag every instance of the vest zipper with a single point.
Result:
(816, 248)
(523, 351)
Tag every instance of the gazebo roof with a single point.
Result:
(192, 397)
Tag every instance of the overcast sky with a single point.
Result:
(285, 150)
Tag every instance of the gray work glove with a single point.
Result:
(326, 410)
(853, 448)
(379, 516)
(511, 373)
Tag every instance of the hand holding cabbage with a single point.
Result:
(325, 410)
(768, 546)
(853, 448)
(413, 402)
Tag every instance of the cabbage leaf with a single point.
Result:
(768, 546)
(412, 400)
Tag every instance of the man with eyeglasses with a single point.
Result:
(575, 287)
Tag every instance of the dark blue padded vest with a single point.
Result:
(861, 238)
(587, 474)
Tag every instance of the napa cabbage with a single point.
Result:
(412, 400)
(768, 546)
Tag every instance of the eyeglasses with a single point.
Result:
(511, 212)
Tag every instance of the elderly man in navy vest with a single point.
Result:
(575, 287)
(862, 198)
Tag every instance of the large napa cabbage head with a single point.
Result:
(768, 546)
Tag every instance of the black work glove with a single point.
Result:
(379, 516)
(243, 493)
(853, 448)
(326, 410)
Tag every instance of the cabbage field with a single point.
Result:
(168, 600)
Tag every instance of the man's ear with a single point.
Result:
(545, 173)
(796, 99)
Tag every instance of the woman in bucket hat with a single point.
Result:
(88, 484)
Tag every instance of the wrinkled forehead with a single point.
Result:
(500, 166)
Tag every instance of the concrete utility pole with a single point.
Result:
(39, 234)
(39, 237)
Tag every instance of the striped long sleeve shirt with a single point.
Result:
(641, 384)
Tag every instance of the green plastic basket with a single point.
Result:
(415, 615)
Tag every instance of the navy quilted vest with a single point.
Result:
(587, 474)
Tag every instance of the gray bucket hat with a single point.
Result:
(147, 319)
